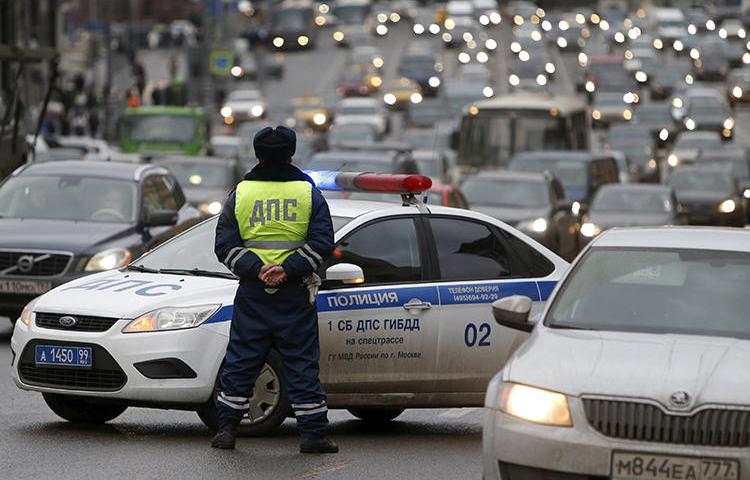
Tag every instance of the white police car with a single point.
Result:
(638, 369)
(403, 316)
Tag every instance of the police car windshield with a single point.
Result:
(194, 250)
(69, 197)
(677, 291)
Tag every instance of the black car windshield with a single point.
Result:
(194, 249)
(69, 197)
(677, 291)
(572, 174)
(510, 192)
(161, 128)
(344, 165)
(706, 180)
(631, 200)
(201, 175)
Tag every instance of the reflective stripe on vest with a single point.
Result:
(273, 217)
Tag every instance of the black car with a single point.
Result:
(709, 196)
(534, 203)
(423, 67)
(712, 62)
(63, 220)
(709, 113)
(206, 181)
(637, 144)
(738, 85)
(667, 79)
(657, 117)
(630, 205)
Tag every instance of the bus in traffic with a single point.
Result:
(493, 130)
(160, 130)
(293, 26)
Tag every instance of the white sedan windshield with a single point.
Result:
(685, 291)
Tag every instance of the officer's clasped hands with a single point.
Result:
(272, 275)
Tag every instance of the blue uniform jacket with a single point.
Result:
(309, 258)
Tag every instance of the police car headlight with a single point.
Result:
(28, 312)
(538, 225)
(210, 208)
(171, 318)
(535, 405)
(109, 259)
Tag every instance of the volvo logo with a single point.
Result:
(680, 399)
(67, 321)
(25, 263)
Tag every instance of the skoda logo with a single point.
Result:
(25, 263)
(67, 321)
(680, 399)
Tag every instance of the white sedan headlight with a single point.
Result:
(109, 260)
(535, 405)
(171, 318)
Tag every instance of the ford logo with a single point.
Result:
(680, 399)
(67, 321)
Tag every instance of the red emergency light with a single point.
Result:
(370, 182)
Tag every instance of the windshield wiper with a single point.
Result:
(198, 273)
(141, 268)
(563, 326)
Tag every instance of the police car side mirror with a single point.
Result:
(513, 312)
(159, 218)
(346, 273)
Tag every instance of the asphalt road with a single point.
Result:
(161, 444)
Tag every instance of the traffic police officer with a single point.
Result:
(274, 233)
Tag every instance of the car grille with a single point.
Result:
(716, 427)
(44, 265)
(105, 375)
(84, 323)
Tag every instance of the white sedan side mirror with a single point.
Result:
(513, 312)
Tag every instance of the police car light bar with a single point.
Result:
(369, 182)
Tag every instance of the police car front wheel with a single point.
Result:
(376, 414)
(79, 410)
(269, 404)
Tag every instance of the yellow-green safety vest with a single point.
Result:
(273, 217)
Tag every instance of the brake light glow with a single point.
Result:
(369, 182)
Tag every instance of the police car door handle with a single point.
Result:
(417, 304)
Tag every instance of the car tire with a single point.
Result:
(79, 410)
(376, 415)
(275, 409)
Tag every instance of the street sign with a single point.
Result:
(221, 62)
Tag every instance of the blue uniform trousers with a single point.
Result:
(284, 321)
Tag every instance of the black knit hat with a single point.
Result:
(275, 144)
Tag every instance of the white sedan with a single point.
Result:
(243, 105)
(362, 110)
(638, 368)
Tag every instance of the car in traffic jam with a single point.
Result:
(541, 251)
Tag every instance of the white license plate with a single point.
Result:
(645, 466)
(25, 287)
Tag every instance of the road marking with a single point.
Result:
(323, 469)
(457, 412)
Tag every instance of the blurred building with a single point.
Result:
(28, 50)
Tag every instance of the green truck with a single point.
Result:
(162, 130)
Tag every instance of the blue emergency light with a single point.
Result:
(369, 182)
